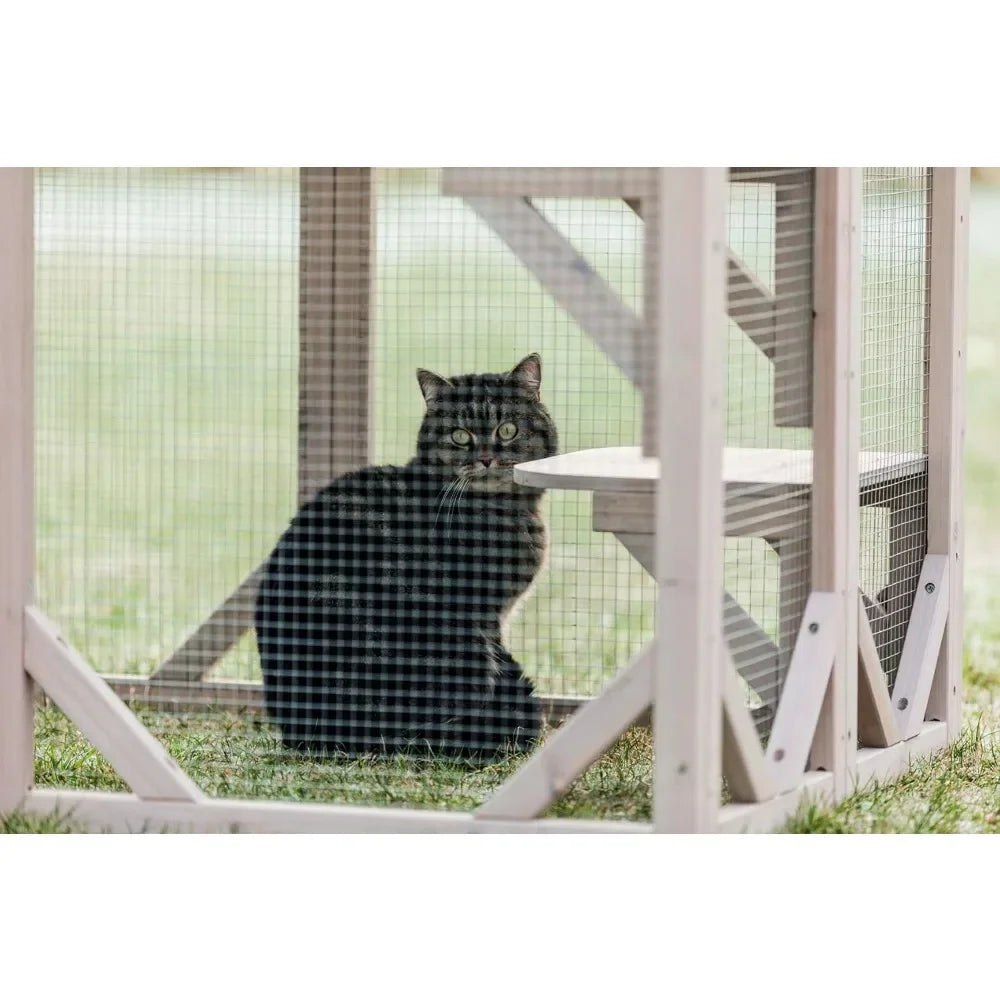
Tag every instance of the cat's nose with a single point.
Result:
(486, 460)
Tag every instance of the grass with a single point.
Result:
(166, 467)
(235, 755)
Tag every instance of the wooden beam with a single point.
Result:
(572, 749)
(214, 637)
(752, 649)
(114, 812)
(743, 763)
(763, 817)
(751, 305)
(198, 695)
(888, 763)
(793, 320)
(568, 277)
(949, 276)
(101, 716)
(804, 689)
(336, 247)
(690, 428)
(876, 719)
(629, 183)
(17, 443)
(922, 646)
(652, 317)
(836, 421)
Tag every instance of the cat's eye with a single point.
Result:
(507, 431)
(461, 437)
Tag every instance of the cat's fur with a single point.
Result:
(380, 611)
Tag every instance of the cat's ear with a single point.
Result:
(430, 384)
(529, 373)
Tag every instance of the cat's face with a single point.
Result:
(478, 427)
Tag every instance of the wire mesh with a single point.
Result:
(215, 348)
(768, 459)
(896, 258)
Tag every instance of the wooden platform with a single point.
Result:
(762, 470)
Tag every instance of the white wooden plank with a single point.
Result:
(743, 762)
(888, 763)
(568, 752)
(642, 547)
(214, 637)
(836, 421)
(119, 813)
(876, 719)
(248, 696)
(922, 646)
(103, 719)
(751, 304)
(804, 689)
(763, 817)
(690, 424)
(648, 209)
(550, 182)
(17, 532)
(626, 469)
(752, 649)
(793, 341)
(568, 277)
(949, 267)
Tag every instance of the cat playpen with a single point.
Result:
(755, 515)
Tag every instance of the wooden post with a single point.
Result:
(949, 235)
(687, 686)
(836, 441)
(335, 251)
(17, 525)
(336, 245)
(793, 276)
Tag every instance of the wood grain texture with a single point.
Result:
(922, 646)
(118, 813)
(805, 688)
(949, 277)
(743, 763)
(836, 469)
(17, 523)
(690, 425)
(876, 719)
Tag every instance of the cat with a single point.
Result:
(380, 614)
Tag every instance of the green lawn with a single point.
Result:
(167, 424)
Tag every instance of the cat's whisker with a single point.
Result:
(463, 488)
(443, 497)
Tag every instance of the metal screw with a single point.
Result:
(902, 703)
(814, 627)
(779, 754)
(929, 587)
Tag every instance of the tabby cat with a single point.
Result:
(380, 613)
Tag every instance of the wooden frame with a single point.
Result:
(17, 515)
(949, 253)
(836, 441)
(688, 683)
(701, 726)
